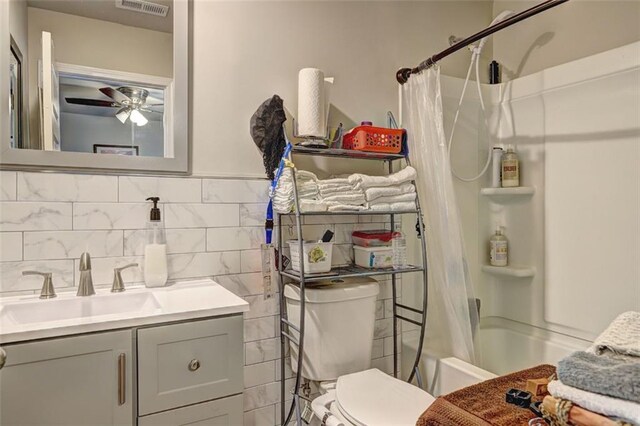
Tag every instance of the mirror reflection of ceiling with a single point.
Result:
(73, 87)
(106, 10)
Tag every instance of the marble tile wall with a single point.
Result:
(214, 229)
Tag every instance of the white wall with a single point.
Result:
(244, 52)
(79, 132)
(573, 30)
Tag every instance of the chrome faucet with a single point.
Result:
(118, 282)
(85, 286)
(47, 292)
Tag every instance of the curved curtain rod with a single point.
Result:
(403, 74)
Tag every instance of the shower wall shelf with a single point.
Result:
(515, 271)
(292, 333)
(508, 192)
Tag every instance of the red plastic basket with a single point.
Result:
(374, 139)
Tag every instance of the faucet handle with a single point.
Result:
(47, 291)
(118, 283)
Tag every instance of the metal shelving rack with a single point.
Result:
(342, 272)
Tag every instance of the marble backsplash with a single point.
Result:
(214, 229)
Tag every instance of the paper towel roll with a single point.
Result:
(312, 103)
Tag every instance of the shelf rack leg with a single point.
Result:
(425, 291)
(295, 404)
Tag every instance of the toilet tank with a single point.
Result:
(339, 323)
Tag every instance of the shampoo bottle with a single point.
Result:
(498, 248)
(510, 168)
(155, 250)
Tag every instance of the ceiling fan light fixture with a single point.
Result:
(123, 114)
(138, 118)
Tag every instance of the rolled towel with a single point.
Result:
(621, 337)
(612, 407)
(363, 181)
(403, 198)
(615, 376)
(389, 191)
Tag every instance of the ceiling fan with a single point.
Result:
(130, 101)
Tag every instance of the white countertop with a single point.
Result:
(24, 318)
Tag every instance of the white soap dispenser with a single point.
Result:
(498, 248)
(155, 249)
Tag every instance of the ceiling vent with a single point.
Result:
(143, 6)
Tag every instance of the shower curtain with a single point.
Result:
(452, 317)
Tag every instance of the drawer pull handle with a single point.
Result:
(3, 358)
(194, 365)
(121, 379)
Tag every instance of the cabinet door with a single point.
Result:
(84, 380)
(221, 412)
(188, 363)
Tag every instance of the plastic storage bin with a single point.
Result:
(374, 139)
(372, 238)
(373, 257)
(317, 256)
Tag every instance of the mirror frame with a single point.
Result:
(28, 159)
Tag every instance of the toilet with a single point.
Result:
(339, 327)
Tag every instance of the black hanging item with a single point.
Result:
(267, 132)
(494, 73)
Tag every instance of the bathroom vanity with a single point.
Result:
(171, 355)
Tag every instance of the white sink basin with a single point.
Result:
(36, 311)
(25, 318)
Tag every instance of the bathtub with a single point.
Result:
(504, 345)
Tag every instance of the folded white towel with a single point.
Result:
(325, 192)
(363, 181)
(403, 198)
(612, 407)
(389, 191)
(621, 337)
(344, 207)
(354, 198)
(312, 206)
(334, 181)
(393, 207)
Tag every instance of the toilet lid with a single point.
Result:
(372, 398)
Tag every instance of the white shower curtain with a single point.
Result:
(452, 317)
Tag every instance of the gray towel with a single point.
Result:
(616, 376)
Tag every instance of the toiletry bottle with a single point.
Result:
(510, 168)
(496, 167)
(398, 248)
(498, 249)
(155, 250)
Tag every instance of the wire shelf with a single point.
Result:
(345, 153)
(350, 271)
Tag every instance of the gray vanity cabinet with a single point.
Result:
(83, 380)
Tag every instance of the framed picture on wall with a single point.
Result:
(131, 150)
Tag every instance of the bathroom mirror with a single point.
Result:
(99, 84)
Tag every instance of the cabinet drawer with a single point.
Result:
(221, 412)
(187, 363)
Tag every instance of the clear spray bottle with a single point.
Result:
(155, 250)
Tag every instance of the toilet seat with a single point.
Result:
(371, 397)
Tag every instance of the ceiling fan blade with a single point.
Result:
(150, 110)
(91, 102)
(153, 105)
(114, 94)
(123, 114)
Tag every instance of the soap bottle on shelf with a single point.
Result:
(510, 168)
(498, 248)
(398, 248)
(155, 249)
